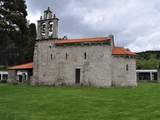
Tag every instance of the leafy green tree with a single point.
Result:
(15, 36)
(148, 60)
(29, 48)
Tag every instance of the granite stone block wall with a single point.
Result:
(56, 65)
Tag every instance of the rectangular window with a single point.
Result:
(4, 77)
(66, 56)
(127, 67)
(51, 56)
(85, 55)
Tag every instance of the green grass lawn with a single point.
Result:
(50, 103)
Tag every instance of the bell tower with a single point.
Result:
(47, 27)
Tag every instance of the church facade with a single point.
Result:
(79, 62)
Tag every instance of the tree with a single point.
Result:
(15, 36)
(13, 15)
(148, 60)
(29, 48)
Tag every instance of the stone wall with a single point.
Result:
(123, 71)
(56, 65)
(12, 76)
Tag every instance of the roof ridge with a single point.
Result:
(85, 38)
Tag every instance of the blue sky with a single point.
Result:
(134, 23)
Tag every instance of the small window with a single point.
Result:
(4, 77)
(51, 56)
(66, 56)
(85, 55)
(127, 67)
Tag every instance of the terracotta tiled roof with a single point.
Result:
(22, 66)
(122, 51)
(83, 40)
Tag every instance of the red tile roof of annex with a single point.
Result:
(22, 66)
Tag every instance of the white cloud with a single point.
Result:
(33, 17)
(134, 22)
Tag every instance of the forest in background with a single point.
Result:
(17, 35)
(148, 60)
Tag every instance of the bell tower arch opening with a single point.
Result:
(47, 27)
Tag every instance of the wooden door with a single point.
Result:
(77, 76)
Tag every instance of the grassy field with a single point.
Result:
(50, 103)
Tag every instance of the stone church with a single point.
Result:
(79, 62)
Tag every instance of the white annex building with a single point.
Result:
(85, 61)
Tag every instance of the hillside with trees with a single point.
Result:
(148, 60)
(17, 36)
